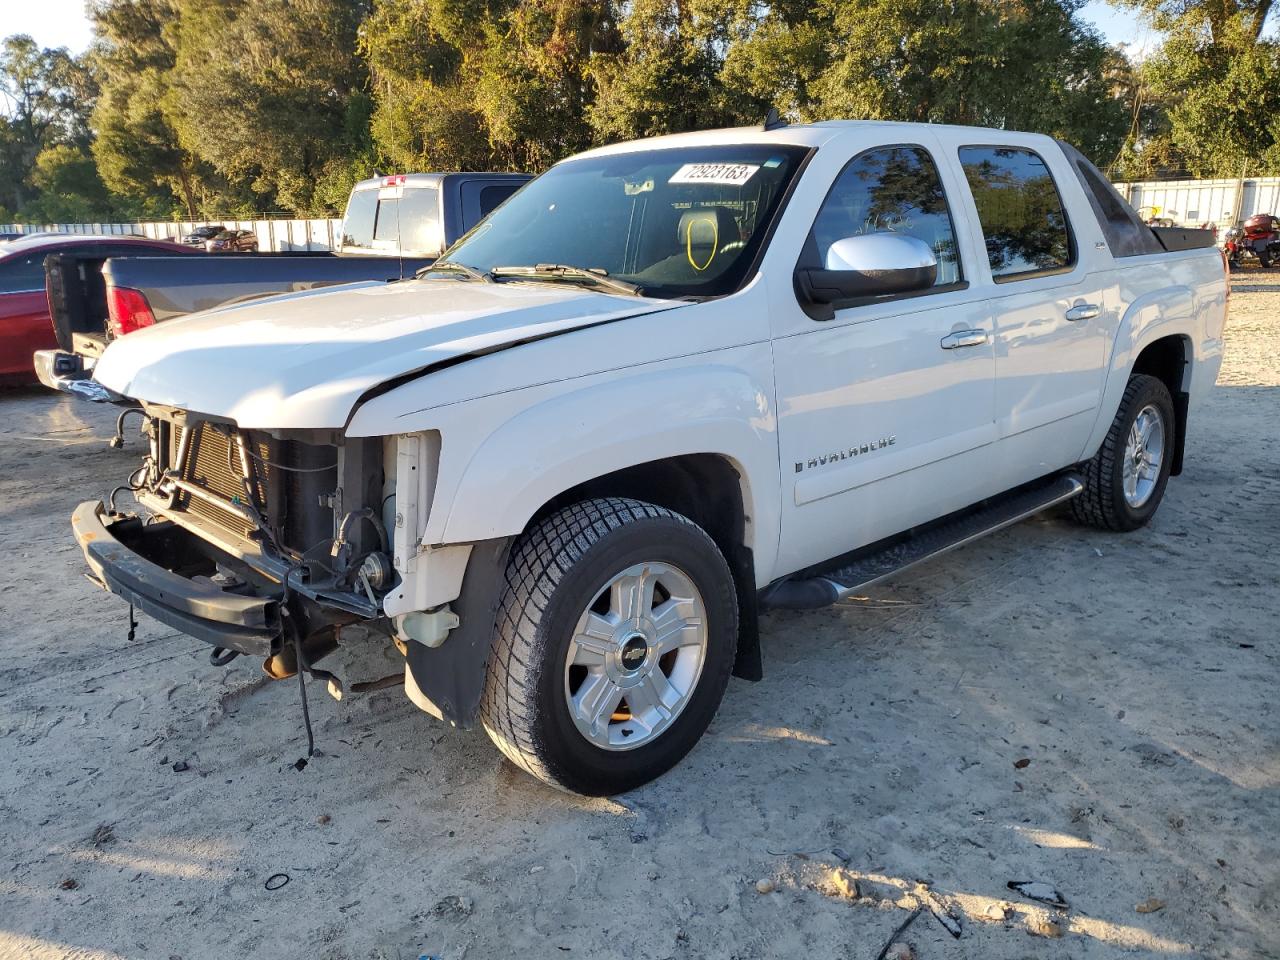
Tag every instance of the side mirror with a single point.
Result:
(871, 265)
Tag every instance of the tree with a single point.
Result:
(474, 84)
(45, 96)
(69, 188)
(137, 148)
(669, 76)
(1216, 84)
(272, 94)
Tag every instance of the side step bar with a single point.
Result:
(830, 586)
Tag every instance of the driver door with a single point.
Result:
(886, 408)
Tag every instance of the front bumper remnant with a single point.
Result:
(164, 571)
(66, 372)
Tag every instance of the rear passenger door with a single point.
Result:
(1048, 301)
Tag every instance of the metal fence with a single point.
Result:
(1221, 203)
(279, 236)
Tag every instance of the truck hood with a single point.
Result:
(302, 361)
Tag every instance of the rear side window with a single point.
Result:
(1125, 233)
(420, 233)
(22, 273)
(357, 227)
(890, 190)
(491, 197)
(1021, 213)
(386, 226)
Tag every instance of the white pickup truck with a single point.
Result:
(667, 385)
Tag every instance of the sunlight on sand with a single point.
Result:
(755, 733)
(177, 858)
(1047, 838)
(34, 948)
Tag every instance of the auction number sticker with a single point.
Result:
(733, 174)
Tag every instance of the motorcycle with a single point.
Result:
(1259, 237)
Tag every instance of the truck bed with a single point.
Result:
(175, 286)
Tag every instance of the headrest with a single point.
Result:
(710, 226)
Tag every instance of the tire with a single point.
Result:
(1105, 502)
(571, 583)
(1264, 259)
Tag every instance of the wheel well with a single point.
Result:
(706, 488)
(1166, 359)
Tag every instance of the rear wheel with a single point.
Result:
(1126, 479)
(615, 639)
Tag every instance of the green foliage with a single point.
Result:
(69, 188)
(137, 146)
(263, 92)
(465, 84)
(1209, 98)
(43, 94)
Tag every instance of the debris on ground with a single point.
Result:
(276, 881)
(900, 951)
(71, 883)
(899, 931)
(1036, 890)
(765, 886)
(1150, 905)
(1044, 927)
(452, 907)
(105, 834)
(999, 912)
(180, 766)
(323, 819)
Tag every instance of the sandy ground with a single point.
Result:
(1137, 674)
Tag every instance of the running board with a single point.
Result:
(826, 587)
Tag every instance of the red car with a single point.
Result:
(25, 325)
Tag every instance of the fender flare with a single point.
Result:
(1171, 311)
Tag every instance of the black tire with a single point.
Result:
(1103, 504)
(557, 569)
(1264, 259)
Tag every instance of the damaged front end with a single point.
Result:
(263, 543)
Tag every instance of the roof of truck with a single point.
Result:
(434, 179)
(814, 135)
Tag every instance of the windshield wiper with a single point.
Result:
(592, 276)
(452, 266)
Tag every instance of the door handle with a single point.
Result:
(964, 338)
(1083, 311)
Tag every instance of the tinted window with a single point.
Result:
(22, 273)
(387, 224)
(890, 190)
(1022, 218)
(1126, 234)
(419, 222)
(491, 197)
(357, 228)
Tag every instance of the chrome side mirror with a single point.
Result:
(871, 265)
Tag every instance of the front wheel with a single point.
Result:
(614, 642)
(1125, 480)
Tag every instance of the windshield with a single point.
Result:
(678, 222)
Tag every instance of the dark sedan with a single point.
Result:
(25, 324)
(198, 236)
(233, 241)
